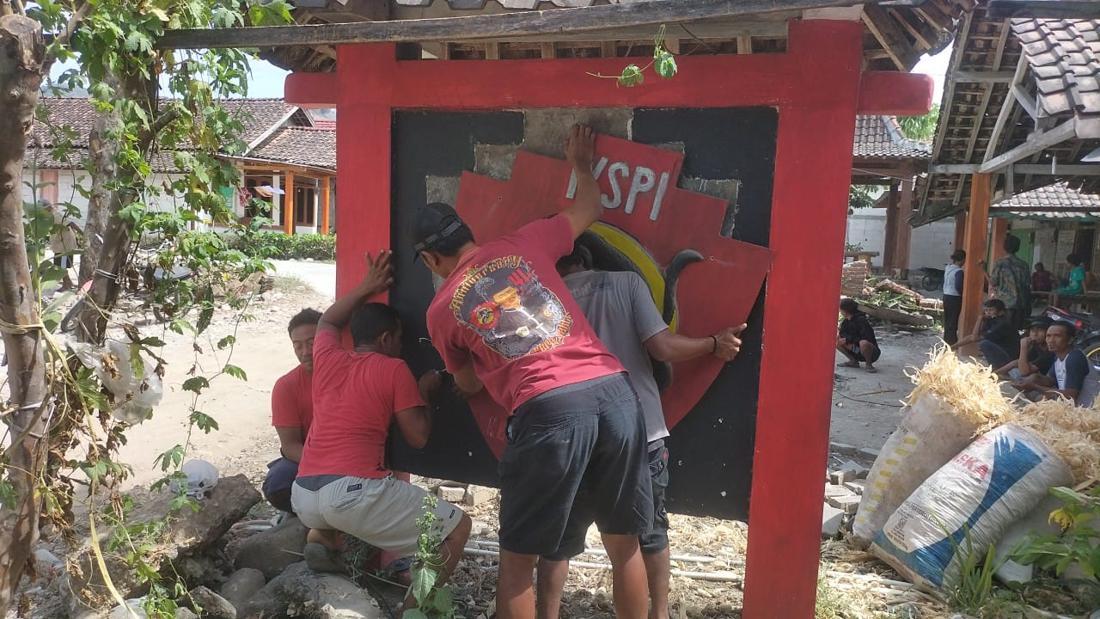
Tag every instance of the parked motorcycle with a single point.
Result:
(931, 278)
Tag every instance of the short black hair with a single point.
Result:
(308, 316)
(996, 304)
(1075, 260)
(1040, 323)
(1040, 267)
(438, 228)
(370, 320)
(579, 257)
(450, 245)
(958, 256)
(1071, 330)
(849, 306)
(1012, 244)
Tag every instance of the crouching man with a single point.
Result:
(1067, 375)
(343, 485)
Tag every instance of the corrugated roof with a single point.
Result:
(304, 146)
(881, 137)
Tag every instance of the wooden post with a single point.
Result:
(904, 233)
(977, 227)
(288, 205)
(960, 231)
(997, 244)
(326, 185)
(889, 243)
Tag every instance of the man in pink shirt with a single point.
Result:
(504, 320)
(292, 411)
(343, 484)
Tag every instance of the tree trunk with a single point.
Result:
(108, 234)
(22, 53)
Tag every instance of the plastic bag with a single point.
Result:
(133, 394)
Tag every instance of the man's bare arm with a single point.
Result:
(415, 425)
(291, 442)
(671, 347)
(467, 381)
(379, 277)
(586, 208)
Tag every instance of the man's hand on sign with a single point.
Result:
(379, 273)
(580, 147)
(728, 342)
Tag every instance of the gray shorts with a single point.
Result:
(381, 512)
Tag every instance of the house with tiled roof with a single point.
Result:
(289, 161)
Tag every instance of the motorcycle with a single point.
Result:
(931, 278)
(1087, 339)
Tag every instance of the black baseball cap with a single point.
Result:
(434, 222)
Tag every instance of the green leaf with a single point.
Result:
(631, 76)
(443, 600)
(226, 342)
(154, 342)
(235, 371)
(422, 583)
(170, 459)
(665, 64)
(137, 364)
(204, 422)
(8, 496)
(414, 613)
(159, 14)
(205, 315)
(196, 384)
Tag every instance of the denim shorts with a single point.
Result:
(584, 440)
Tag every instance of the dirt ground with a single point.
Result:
(710, 552)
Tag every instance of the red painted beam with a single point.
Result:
(894, 93)
(311, 89)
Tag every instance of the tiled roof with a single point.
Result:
(881, 137)
(1064, 56)
(1058, 195)
(77, 158)
(304, 146)
(258, 116)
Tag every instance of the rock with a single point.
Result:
(870, 454)
(451, 494)
(849, 503)
(186, 534)
(833, 491)
(477, 495)
(198, 570)
(241, 586)
(135, 610)
(211, 605)
(856, 486)
(831, 519)
(848, 471)
(185, 613)
(271, 551)
(327, 595)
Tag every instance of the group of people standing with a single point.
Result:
(566, 350)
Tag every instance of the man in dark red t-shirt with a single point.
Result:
(343, 483)
(504, 320)
(292, 411)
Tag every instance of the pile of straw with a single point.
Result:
(971, 389)
(1071, 431)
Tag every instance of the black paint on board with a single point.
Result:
(711, 449)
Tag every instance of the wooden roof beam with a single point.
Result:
(490, 26)
(1032, 169)
(1006, 110)
(1036, 143)
(888, 35)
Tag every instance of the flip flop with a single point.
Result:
(872, 370)
(848, 364)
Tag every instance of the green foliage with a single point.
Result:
(974, 589)
(270, 245)
(663, 63)
(433, 602)
(861, 196)
(921, 127)
(1079, 541)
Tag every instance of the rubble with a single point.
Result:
(847, 472)
(892, 302)
(241, 586)
(187, 533)
(452, 492)
(298, 591)
(272, 550)
(210, 605)
(831, 521)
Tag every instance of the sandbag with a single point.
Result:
(1036, 522)
(995, 481)
(929, 435)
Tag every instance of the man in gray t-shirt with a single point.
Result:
(622, 312)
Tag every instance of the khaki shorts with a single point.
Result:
(381, 512)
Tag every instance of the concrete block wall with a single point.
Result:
(931, 245)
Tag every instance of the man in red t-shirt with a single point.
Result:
(292, 411)
(504, 320)
(343, 484)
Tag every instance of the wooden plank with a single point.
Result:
(888, 34)
(548, 50)
(931, 12)
(982, 77)
(744, 45)
(1006, 110)
(1033, 169)
(326, 204)
(1035, 144)
(921, 32)
(492, 26)
(977, 226)
(492, 50)
(288, 205)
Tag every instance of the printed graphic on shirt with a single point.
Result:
(504, 302)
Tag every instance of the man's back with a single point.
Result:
(355, 397)
(619, 307)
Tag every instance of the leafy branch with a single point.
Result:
(663, 62)
(433, 602)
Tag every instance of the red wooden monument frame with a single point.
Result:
(818, 88)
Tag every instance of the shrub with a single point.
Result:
(279, 246)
